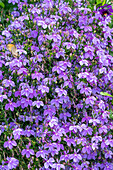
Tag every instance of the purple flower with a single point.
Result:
(28, 133)
(94, 121)
(56, 102)
(8, 83)
(42, 153)
(17, 133)
(53, 121)
(70, 141)
(2, 97)
(6, 33)
(94, 146)
(3, 167)
(108, 154)
(76, 157)
(49, 162)
(58, 134)
(34, 34)
(37, 75)
(10, 143)
(38, 104)
(26, 91)
(87, 149)
(12, 163)
(96, 139)
(103, 129)
(11, 105)
(61, 91)
(13, 1)
(101, 105)
(109, 142)
(58, 166)
(22, 71)
(105, 10)
(27, 151)
(25, 102)
(90, 100)
(43, 88)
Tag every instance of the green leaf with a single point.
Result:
(2, 4)
(106, 94)
(99, 2)
(103, 2)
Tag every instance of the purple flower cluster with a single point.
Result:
(52, 113)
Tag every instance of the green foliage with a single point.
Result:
(2, 4)
(106, 94)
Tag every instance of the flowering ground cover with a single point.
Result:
(52, 115)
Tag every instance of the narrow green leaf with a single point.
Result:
(2, 4)
(103, 2)
(106, 94)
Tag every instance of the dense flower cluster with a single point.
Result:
(52, 113)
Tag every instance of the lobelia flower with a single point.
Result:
(42, 153)
(37, 76)
(108, 154)
(3, 167)
(10, 143)
(8, 83)
(2, 97)
(6, 33)
(61, 91)
(53, 121)
(38, 104)
(105, 10)
(25, 102)
(43, 88)
(12, 162)
(58, 166)
(11, 105)
(76, 157)
(26, 91)
(28, 133)
(49, 162)
(27, 151)
(87, 149)
(17, 133)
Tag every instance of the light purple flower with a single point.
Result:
(17, 133)
(10, 143)
(27, 151)
(12, 163)
(38, 104)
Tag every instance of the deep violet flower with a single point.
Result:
(105, 10)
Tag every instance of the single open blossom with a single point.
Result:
(27, 151)
(53, 121)
(43, 88)
(12, 163)
(8, 83)
(105, 10)
(11, 105)
(42, 153)
(10, 143)
(49, 163)
(75, 157)
(17, 132)
(38, 104)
